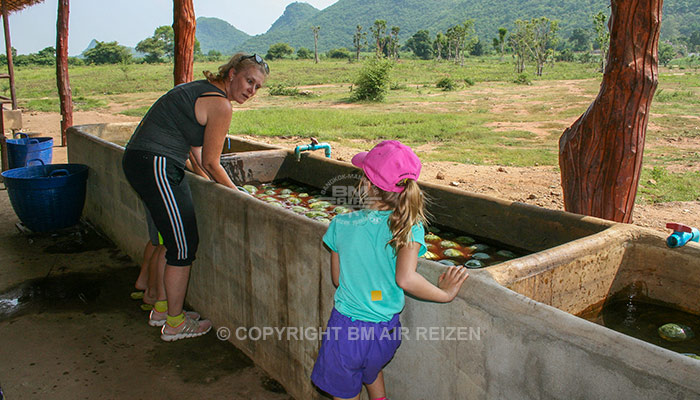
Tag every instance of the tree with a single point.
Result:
(499, 43)
(518, 42)
(304, 53)
(315, 30)
(373, 80)
(421, 45)
(666, 53)
(460, 39)
(439, 45)
(359, 41)
(602, 37)
(393, 42)
(478, 49)
(214, 55)
(107, 53)
(159, 46)
(542, 36)
(580, 39)
(600, 155)
(379, 34)
(279, 50)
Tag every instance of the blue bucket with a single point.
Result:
(47, 197)
(20, 151)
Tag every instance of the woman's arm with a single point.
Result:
(335, 268)
(194, 163)
(414, 283)
(217, 119)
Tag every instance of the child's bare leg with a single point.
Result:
(142, 280)
(376, 389)
(156, 287)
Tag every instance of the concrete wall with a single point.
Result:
(261, 266)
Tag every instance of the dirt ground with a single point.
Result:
(539, 186)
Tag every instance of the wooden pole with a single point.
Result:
(184, 25)
(600, 155)
(8, 50)
(62, 80)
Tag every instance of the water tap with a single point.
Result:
(314, 145)
(681, 235)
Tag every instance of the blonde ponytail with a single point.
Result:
(408, 208)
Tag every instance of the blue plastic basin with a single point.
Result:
(20, 152)
(47, 197)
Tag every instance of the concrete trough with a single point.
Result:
(262, 276)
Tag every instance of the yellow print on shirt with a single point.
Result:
(376, 295)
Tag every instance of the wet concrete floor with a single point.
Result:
(69, 330)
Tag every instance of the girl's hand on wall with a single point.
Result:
(451, 280)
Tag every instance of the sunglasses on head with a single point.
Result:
(260, 61)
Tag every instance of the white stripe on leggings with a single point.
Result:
(170, 206)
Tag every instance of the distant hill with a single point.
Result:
(294, 15)
(338, 21)
(217, 34)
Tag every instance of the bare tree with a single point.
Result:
(359, 40)
(379, 34)
(315, 30)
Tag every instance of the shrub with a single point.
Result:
(522, 79)
(469, 81)
(373, 81)
(446, 84)
(339, 53)
(281, 90)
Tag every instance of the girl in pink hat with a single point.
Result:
(374, 255)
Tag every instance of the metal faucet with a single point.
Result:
(314, 145)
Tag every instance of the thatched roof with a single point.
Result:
(16, 5)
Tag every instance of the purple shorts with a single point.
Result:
(353, 353)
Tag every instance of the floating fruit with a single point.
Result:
(270, 192)
(300, 209)
(506, 253)
(448, 244)
(314, 214)
(250, 188)
(429, 255)
(430, 236)
(341, 210)
(302, 195)
(453, 253)
(473, 264)
(447, 262)
(676, 332)
(293, 200)
(480, 256)
(286, 191)
(320, 204)
(479, 247)
(464, 240)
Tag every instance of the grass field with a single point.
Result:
(494, 121)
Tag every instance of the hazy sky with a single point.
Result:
(130, 21)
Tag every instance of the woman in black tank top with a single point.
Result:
(190, 121)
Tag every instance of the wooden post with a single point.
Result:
(64, 90)
(600, 155)
(184, 25)
(8, 50)
(4, 163)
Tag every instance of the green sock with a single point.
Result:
(177, 320)
(161, 305)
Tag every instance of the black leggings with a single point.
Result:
(161, 185)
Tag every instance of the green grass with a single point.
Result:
(658, 185)
(494, 122)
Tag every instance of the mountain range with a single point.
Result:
(338, 22)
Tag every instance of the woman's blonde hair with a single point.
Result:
(408, 206)
(238, 62)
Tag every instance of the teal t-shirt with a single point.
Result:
(368, 289)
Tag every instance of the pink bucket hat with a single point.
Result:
(388, 163)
